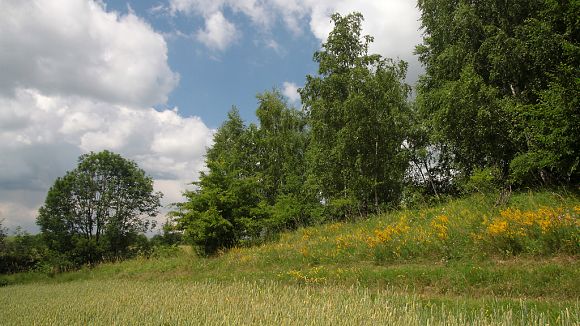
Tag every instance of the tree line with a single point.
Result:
(96, 212)
(497, 108)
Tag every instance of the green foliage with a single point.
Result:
(501, 86)
(357, 113)
(484, 181)
(551, 130)
(97, 210)
(170, 235)
(254, 186)
(219, 212)
(21, 252)
(281, 141)
(287, 213)
(2, 237)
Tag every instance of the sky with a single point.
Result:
(153, 79)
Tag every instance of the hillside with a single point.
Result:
(468, 254)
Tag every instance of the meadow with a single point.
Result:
(134, 302)
(467, 261)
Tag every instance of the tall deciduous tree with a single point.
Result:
(99, 208)
(501, 85)
(357, 112)
(282, 141)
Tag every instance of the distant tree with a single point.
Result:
(98, 209)
(358, 113)
(21, 252)
(2, 237)
(170, 235)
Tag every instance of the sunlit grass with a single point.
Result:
(253, 303)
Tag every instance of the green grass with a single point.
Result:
(342, 272)
(208, 303)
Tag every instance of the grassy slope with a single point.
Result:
(443, 271)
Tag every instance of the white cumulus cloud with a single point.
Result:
(168, 146)
(75, 47)
(77, 78)
(218, 33)
(394, 23)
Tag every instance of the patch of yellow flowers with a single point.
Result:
(400, 229)
(312, 276)
(513, 223)
(560, 226)
(440, 226)
(541, 230)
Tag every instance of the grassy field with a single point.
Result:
(469, 261)
(208, 303)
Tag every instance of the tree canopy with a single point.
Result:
(98, 209)
(501, 86)
(358, 115)
(497, 107)
(253, 187)
(341, 155)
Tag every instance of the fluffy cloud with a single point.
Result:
(72, 47)
(258, 11)
(218, 33)
(395, 23)
(76, 78)
(59, 128)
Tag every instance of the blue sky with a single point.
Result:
(212, 80)
(153, 79)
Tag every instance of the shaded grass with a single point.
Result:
(555, 279)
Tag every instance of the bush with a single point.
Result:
(484, 181)
(22, 252)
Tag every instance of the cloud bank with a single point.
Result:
(69, 47)
(77, 78)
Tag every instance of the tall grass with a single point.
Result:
(540, 225)
(117, 302)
